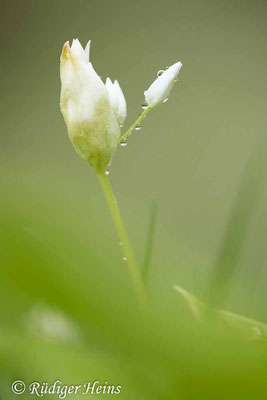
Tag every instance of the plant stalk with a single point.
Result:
(133, 126)
(123, 237)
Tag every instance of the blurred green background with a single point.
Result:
(202, 156)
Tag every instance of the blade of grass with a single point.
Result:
(150, 240)
(252, 329)
(237, 228)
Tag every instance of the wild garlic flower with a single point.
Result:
(159, 91)
(118, 102)
(89, 110)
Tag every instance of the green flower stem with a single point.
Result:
(123, 237)
(139, 119)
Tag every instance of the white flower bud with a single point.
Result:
(160, 89)
(118, 102)
(86, 106)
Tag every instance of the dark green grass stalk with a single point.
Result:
(245, 204)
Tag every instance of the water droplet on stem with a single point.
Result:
(124, 142)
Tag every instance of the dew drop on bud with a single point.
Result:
(138, 127)
(124, 142)
(160, 72)
(144, 106)
(107, 171)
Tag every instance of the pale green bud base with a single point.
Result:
(96, 141)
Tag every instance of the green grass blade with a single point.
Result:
(150, 240)
(238, 225)
(248, 328)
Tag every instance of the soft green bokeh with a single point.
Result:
(202, 156)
